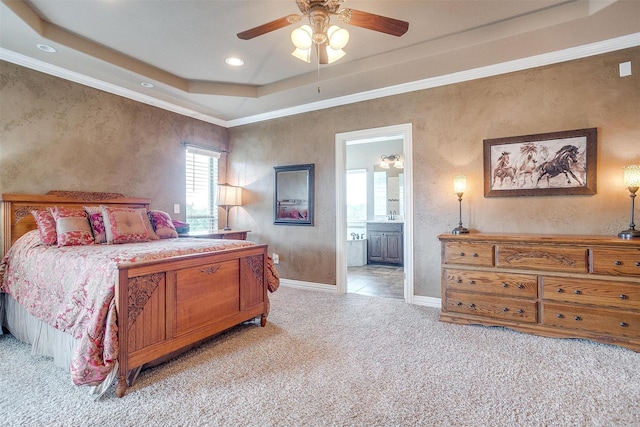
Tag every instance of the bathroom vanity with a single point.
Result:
(385, 242)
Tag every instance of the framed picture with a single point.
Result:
(546, 164)
(294, 195)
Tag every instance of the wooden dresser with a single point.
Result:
(551, 285)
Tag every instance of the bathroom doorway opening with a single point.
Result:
(388, 198)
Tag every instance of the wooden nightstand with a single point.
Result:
(218, 234)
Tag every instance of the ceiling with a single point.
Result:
(180, 47)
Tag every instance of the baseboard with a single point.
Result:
(312, 286)
(427, 301)
(322, 287)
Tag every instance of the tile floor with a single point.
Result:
(376, 280)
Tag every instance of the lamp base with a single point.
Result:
(460, 230)
(629, 234)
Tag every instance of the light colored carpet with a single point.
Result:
(346, 360)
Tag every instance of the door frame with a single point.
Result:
(404, 132)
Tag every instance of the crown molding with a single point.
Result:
(564, 55)
(569, 54)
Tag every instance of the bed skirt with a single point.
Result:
(44, 339)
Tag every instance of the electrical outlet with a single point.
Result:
(276, 258)
(176, 208)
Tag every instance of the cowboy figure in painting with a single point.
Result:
(561, 163)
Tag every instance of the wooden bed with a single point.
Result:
(163, 306)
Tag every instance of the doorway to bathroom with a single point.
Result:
(374, 204)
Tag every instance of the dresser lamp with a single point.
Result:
(632, 182)
(459, 187)
(228, 197)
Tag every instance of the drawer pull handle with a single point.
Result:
(461, 253)
(577, 292)
(560, 316)
(520, 286)
(560, 290)
(459, 280)
(577, 318)
(505, 309)
(504, 285)
(475, 255)
(520, 311)
(459, 304)
(637, 263)
(618, 262)
(623, 324)
(472, 305)
(473, 282)
(623, 296)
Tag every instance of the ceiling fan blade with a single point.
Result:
(374, 22)
(268, 27)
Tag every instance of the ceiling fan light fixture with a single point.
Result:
(334, 54)
(302, 54)
(302, 37)
(338, 37)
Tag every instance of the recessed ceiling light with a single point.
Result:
(146, 84)
(234, 62)
(45, 48)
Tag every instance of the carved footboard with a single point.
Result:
(168, 305)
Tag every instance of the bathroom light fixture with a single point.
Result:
(228, 196)
(459, 187)
(146, 84)
(386, 161)
(632, 182)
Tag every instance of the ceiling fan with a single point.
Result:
(329, 40)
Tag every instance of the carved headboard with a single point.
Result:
(16, 209)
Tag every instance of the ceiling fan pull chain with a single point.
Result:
(318, 57)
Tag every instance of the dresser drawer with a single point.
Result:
(468, 253)
(594, 292)
(548, 258)
(600, 320)
(512, 309)
(506, 284)
(618, 262)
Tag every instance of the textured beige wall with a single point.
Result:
(59, 135)
(449, 125)
(55, 134)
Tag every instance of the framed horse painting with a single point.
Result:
(545, 164)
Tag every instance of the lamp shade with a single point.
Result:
(229, 195)
(632, 176)
(459, 184)
(301, 37)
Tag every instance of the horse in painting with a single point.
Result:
(561, 163)
(503, 170)
(526, 165)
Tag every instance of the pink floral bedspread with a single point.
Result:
(72, 288)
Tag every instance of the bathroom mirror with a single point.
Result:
(388, 188)
(294, 193)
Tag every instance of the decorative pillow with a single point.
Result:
(162, 224)
(72, 226)
(97, 223)
(147, 224)
(124, 225)
(46, 226)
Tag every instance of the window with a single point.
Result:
(202, 182)
(357, 195)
